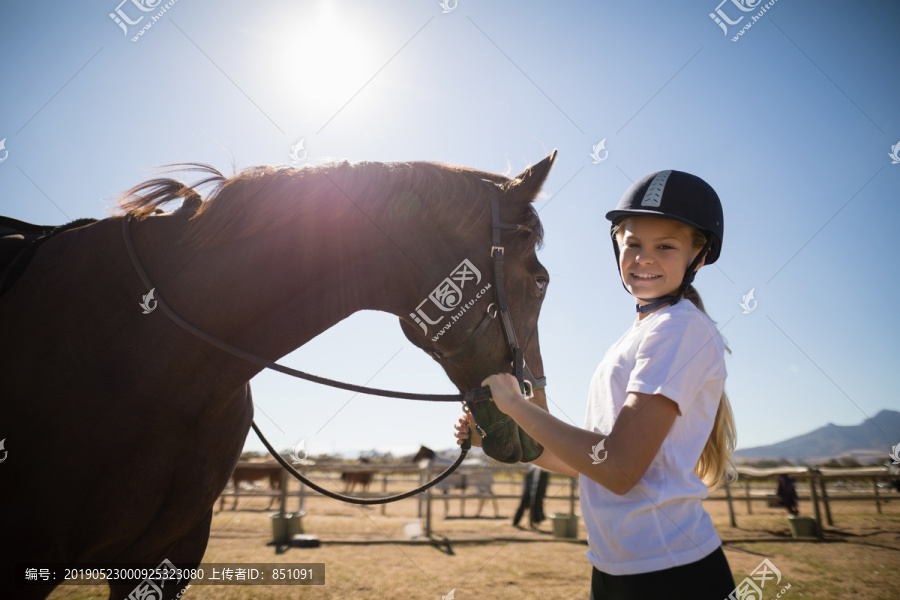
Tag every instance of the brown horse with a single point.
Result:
(261, 472)
(363, 478)
(152, 419)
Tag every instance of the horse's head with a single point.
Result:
(457, 321)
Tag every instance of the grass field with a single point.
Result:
(859, 558)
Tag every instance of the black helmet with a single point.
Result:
(680, 196)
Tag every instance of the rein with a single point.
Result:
(527, 382)
(464, 449)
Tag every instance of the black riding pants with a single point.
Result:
(707, 579)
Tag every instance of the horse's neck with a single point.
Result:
(268, 294)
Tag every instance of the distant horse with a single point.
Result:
(351, 478)
(471, 474)
(153, 419)
(251, 475)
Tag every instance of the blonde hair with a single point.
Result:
(714, 466)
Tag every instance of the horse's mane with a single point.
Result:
(387, 193)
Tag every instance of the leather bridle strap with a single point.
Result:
(517, 354)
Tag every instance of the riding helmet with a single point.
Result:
(674, 195)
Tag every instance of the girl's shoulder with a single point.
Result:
(685, 317)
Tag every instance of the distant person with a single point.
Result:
(534, 489)
(787, 494)
(659, 431)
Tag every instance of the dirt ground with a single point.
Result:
(366, 554)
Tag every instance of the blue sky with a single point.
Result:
(792, 124)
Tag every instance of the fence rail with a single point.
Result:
(816, 480)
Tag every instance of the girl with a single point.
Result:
(659, 430)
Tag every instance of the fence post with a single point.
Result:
(877, 501)
(284, 492)
(428, 502)
(421, 497)
(730, 505)
(825, 501)
(749, 504)
(813, 475)
(301, 506)
(572, 484)
(384, 492)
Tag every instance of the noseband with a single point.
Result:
(527, 382)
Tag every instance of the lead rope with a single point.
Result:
(464, 449)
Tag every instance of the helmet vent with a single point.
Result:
(653, 195)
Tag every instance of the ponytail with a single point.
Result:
(715, 466)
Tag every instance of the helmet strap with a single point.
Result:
(654, 303)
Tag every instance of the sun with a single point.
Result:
(322, 57)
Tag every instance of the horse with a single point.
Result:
(253, 474)
(153, 419)
(351, 478)
(471, 474)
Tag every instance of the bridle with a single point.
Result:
(527, 382)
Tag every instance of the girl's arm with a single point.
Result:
(552, 462)
(636, 437)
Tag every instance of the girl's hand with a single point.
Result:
(464, 428)
(505, 391)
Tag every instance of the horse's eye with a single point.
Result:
(541, 282)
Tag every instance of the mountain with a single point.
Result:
(867, 442)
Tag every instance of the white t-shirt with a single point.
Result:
(660, 523)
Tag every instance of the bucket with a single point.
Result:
(802, 526)
(286, 527)
(565, 526)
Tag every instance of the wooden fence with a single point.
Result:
(329, 475)
(816, 482)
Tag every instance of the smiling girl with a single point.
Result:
(659, 431)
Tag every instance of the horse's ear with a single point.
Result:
(529, 181)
